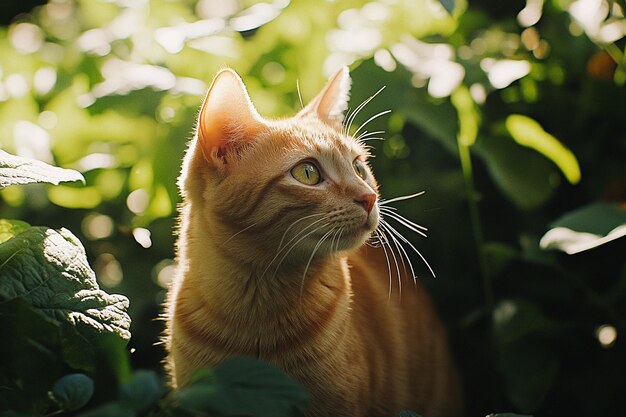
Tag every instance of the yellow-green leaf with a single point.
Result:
(468, 116)
(527, 132)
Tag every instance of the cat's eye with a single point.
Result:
(359, 168)
(307, 173)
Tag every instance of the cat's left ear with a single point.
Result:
(330, 104)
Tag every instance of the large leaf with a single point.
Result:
(515, 319)
(55, 315)
(437, 118)
(18, 170)
(524, 176)
(49, 269)
(530, 371)
(243, 387)
(586, 228)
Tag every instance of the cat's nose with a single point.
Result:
(367, 201)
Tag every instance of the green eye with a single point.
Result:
(359, 168)
(307, 173)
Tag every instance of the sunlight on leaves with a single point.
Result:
(11, 228)
(49, 269)
(18, 170)
(527, 132)
(468, 116)
(586, 228)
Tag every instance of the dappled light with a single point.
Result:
(509, 115)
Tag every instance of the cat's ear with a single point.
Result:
(228, 119)
(330, 104)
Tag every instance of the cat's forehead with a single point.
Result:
(328, 142)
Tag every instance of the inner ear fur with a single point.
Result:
(331, 103)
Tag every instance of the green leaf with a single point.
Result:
(530, 371)
(142, 391)
(467, 114)
(515, 319)
(437, 118)
(55, 315)
(73, 391)
(497, 256)
(49, 269)
(243, 387)
(524, 176)
(527, 132)
(18, 170)
(586, 228)
(10, 228)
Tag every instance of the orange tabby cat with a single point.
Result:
(273, 263)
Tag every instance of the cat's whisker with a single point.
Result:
(377, 115)
(299, 93)
(406, 223)
(334, 242)
(281, 248)
(401, 198)
(344, 127)
(405, 240)
(382, 239)
(403, 254)
(296, 244)
(395, 259)
(294, 223)
(317, 246)
(367, 134)
(360, 107)
(241, 231)
(341, 229)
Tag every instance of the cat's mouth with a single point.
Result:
(371, 223)
(360, 232)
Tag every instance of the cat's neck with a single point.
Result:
(247, 279)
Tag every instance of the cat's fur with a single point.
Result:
(255, 280)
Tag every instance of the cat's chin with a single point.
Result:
(356, 238)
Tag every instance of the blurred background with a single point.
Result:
(511, 115)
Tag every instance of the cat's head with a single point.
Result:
(289, 187)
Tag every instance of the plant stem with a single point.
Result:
(466, 167)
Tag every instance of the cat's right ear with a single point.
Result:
(330, 104)
(228, 120)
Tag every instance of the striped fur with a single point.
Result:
(278, 270)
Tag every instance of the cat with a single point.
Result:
(273, 263)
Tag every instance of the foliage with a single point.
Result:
(52, 309)
(510, 115)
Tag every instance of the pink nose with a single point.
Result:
(367, 201)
